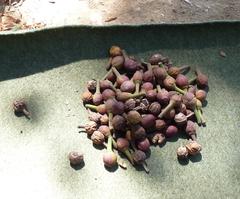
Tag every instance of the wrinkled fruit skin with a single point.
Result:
(75, 158)
(155, 108)
(105, 130)
(90, 127)
(193, 148)
(129, 105)
(182, 153)
(109, 159)
(190, 128)
(156, 58)
(180, 119)
(97, 138)
(158, 138)
(87, 97)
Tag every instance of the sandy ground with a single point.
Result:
(100, 12)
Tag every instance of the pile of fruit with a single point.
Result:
(139, 103)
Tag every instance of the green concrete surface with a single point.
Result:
(49, 70)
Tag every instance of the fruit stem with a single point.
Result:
(191, 81)
(26, 113)
(90, 106)
(98, 87)
(115, 71)
(203, 121)
(137, 87)
(108, 73)
(149, 67)
(109, 144)
(110, 117)
(136, 95)
(144, 164)
(129, 156)
(197, 116)
(179, 89)
(193, 137)
(120, 161)
(167, 109)
(158, 88)
(184, 68)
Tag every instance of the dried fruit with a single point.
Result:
(75, 158)
(91, 85)
(119, 123)
(160, 125)
(148, 121)
(105, 130)
(123, 146)
(138, 101)
(107, 94)
(120, 78)
(138, 132)
(109, 158)
(130, 104)
(20, 107)
(158, 138)
(87, 97)
(100, 108)
(180, 119)
(201, 79)
(201, 95)
(133, 117)
(175, 101)
(156, 58)
(97, 97)
(182, 81)
(155, 108)
(127, 86)
(115, 51)
(89, 127)
(171, 131)
(104, 119)
(146, 86)
(175, 71)
(148, 75)
(193, 147)
(129, 64)
(182, 152)
(151, 95)
(97, 138)
(191, 129)
(137, 79)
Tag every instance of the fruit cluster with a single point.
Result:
(141, 103)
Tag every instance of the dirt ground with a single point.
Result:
(100, 12)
